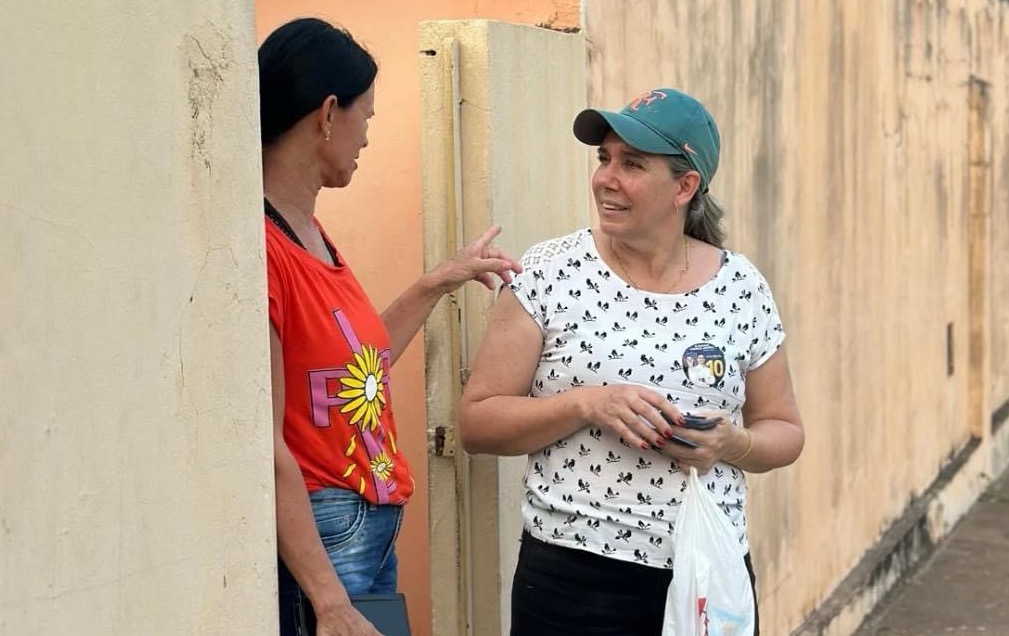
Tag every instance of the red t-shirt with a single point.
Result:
(338, 416)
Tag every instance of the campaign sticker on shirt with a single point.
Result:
(704, 364)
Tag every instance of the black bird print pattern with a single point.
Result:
(591, 490)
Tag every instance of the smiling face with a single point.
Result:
(635, 192)
(348, 136)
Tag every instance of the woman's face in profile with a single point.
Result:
(349, 136)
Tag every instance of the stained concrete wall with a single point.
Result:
(498, 104)
(849, 177)
(135, 420)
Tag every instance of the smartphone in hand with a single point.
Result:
(697, 423)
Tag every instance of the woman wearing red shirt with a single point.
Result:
(341, 479)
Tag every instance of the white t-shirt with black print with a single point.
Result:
(591, 490)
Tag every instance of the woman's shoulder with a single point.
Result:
(742, 271)
(574, 245)
(275, 248)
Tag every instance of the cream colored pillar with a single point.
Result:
(135, 449)
(498, 102)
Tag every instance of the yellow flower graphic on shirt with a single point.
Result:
(364, 389)
(382, 466)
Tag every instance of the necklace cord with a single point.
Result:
(285, 227)
(634, 283)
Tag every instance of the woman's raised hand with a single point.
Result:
(478, 261)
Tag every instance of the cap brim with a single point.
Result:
(591, 127)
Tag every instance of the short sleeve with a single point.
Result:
(767, 329)
(276, 285)
(527, 288)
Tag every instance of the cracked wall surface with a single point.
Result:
(135, 414)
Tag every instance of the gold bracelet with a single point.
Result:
(749, 447)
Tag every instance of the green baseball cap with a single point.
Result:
(662, 121)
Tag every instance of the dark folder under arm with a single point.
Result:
(387, 612)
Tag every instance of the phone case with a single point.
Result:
(700, 422)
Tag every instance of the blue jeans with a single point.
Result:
(360, 538)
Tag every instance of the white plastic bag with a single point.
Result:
(710, 594)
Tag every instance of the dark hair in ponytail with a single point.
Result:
(704, 215)
(301, 64)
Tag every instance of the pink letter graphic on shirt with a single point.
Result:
(360, 390)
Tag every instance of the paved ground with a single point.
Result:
(964, 587)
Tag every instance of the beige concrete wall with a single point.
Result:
(498, 150)
(135, 447)
(995, 161)
(845, 173)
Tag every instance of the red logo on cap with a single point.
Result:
(646, 98)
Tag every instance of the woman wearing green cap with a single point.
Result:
(591, 362)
